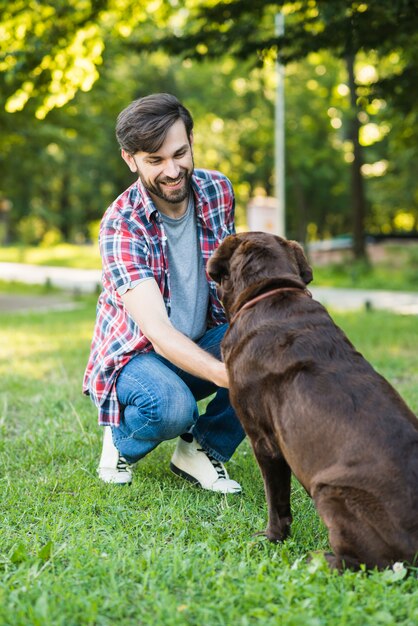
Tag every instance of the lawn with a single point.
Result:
(61, 255)
(77, 552)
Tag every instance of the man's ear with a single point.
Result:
(305, 269)
(218, 264)
(129, 160)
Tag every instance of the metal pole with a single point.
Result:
(279, 135)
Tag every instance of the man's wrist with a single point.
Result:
(219, 375)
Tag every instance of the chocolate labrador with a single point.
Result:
(312, 405)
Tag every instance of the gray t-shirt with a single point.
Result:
(188, 284)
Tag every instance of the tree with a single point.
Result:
(51, 49)
(245, 28)
(68, 157)
(48, 51)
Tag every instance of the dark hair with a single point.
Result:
(143, 125)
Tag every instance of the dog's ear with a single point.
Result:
(305, 269)
(218, 264)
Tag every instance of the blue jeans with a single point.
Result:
(159, 402)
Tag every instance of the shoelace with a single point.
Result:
(220, 470)
(122, 465)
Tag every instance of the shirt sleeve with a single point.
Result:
(131, 285)
(125, 255)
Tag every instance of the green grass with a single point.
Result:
(362, 276)
(62, 255)
(18, 288)
(397, 271)
(76, 552)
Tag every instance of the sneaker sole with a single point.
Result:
(194, 481)
(114, 480)
(185, 475)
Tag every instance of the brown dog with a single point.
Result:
(311, 404)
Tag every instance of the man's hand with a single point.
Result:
(145, 305)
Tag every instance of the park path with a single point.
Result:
(78, 281)
(70, 279)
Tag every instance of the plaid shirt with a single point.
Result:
(133, 246)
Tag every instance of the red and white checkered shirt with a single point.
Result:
(133, 246)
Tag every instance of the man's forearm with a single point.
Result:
(145, 305)
(183, 352)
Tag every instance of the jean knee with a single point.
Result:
(157, 403)
(170, 413)
(178, 412)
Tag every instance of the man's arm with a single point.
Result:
(145, 305)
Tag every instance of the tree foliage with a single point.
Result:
(245, 29)
(49, 50)
(85, 60)
(346, 29)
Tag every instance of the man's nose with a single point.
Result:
(171, 169)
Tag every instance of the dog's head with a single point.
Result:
(246, 259)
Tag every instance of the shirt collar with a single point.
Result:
(146, 201)
(201, 202)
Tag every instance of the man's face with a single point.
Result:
(166, 173)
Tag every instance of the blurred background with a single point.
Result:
(350, 108)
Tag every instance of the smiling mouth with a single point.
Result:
(173, 183)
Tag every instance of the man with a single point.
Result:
(159, 324)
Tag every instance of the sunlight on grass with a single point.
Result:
(37, 362)
(63, 255)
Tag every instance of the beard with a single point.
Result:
(161, 189)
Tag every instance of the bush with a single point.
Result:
(93, 230)
(30, 230)
(52, 237)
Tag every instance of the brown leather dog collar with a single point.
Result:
(267, 294)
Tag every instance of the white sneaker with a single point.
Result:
(196, 465)
(113, 468)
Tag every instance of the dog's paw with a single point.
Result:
(274, 535)
(264, 533)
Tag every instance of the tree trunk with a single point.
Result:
(358, 200)
(65, 206)
(302, 209)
